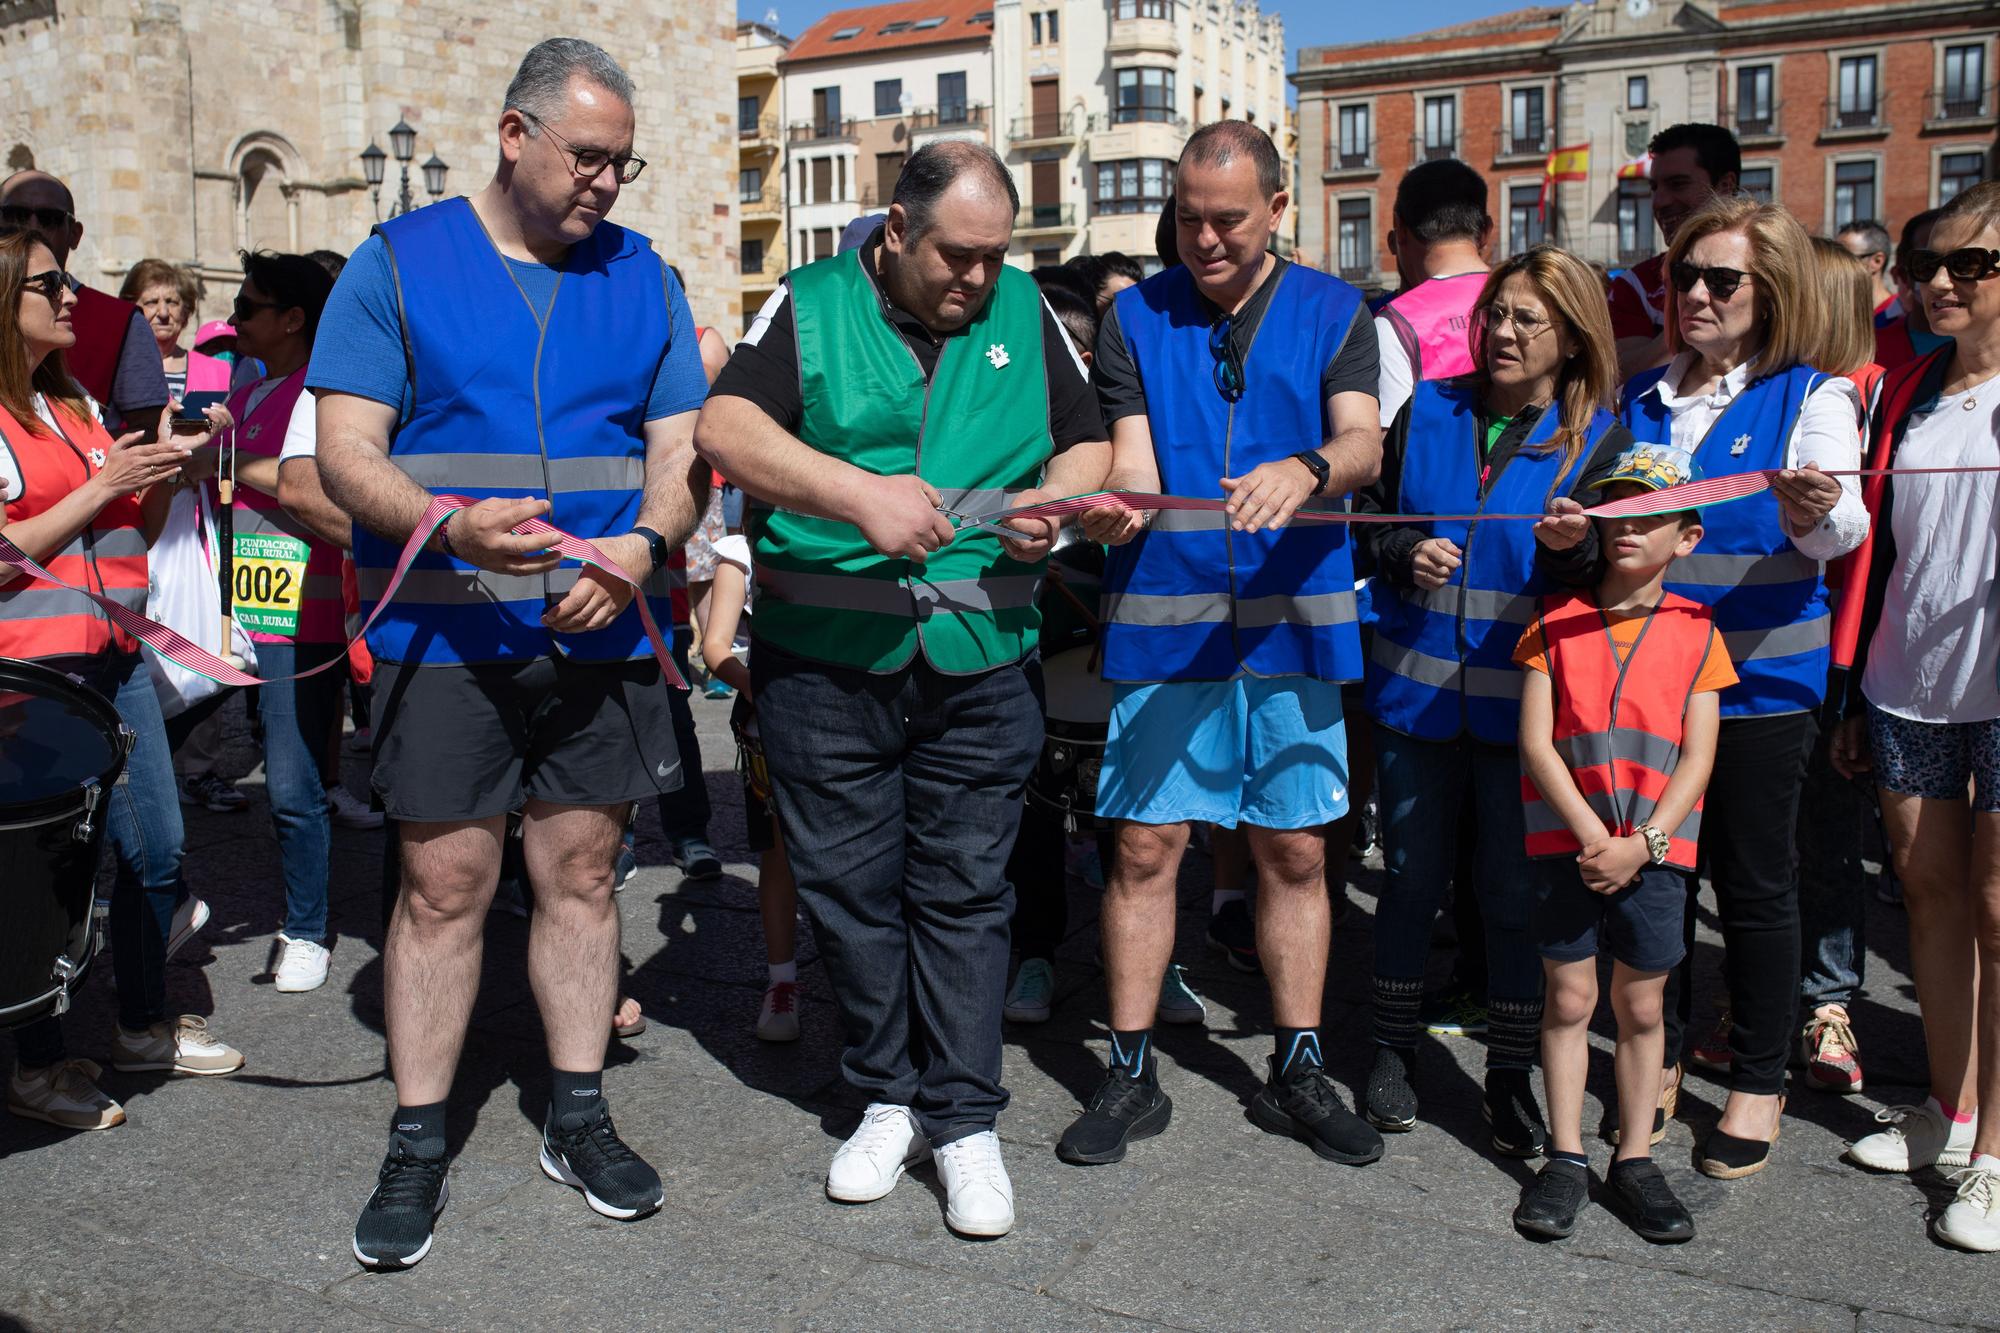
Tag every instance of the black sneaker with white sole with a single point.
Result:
(1392, 1097)
(1303, 1104)
(394, 1230)
(1510, 1108)
(582, 1150)
(1122, 1109)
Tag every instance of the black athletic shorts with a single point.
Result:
(469, 742)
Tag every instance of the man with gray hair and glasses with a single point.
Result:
(515, 348)
(881, 396)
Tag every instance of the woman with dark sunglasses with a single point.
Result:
(1925, 708)
(1744, 314)
(1450, 603)
(86, 507)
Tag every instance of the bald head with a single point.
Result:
(36, 201)
(970, 171)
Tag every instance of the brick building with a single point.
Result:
(190, 131)
(1845, 109)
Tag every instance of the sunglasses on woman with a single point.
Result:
(1969, 264)
(49, 283)
(1721, 282)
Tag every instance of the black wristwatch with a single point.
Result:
(1321, 469)
(656, 546)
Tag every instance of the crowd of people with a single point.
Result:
(926, 646)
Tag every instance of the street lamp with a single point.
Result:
(372, 161)
(434, 172)
(403, 144)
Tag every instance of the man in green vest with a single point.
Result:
(877, 395)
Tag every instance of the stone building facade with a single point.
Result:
(191, 131)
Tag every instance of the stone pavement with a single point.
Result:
(228, 1203)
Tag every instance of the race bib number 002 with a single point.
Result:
(269, 577)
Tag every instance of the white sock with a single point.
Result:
(1221, 898)
(786, 971)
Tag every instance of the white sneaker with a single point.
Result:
(886, 1144)
(346, 809)
(778, 1019)
(65, 1094)
(1917, 1137)
(979, 1199)
(189, 917)
(1972, 1220)
(1179, 1004)
(1032, 996)
(302, 966)
(183, 1045)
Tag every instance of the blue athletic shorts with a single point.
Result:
(1642, 925)
(1265, 751)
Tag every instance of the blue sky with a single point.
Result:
(1307, 22)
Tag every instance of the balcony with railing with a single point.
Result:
(1423, 148)
(761, 135)
(764, 205)
(1136, 132)
(821, 131)
(1045, 219)
(1520, 143)
(1854, 118)
(1756, 122)
(1143, 25)
(1963, 108)
(1045, 129)
(954, 120)
(1350, 158)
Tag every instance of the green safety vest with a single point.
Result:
(977, 431)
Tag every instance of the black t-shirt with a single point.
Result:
(1355, 367)
(765, 366)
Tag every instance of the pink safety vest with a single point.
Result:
(1433, 321)
(260, 433)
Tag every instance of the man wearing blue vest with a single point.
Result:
(893, 658)
(1235, 375)
(517, 349)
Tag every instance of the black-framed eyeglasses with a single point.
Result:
(1527, 324)
(50, 283)
(1228, 369)
(1721, 282)
(245, 308)
(1967, 264)
(589, 163)
(22, 215)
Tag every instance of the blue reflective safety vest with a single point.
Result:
(1769, 600)
(1442, 663)
(1189, 599)
(507, 403)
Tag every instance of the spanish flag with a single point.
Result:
(1564, 164)
(1638, 169)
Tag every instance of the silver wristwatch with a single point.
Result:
(1657, 843)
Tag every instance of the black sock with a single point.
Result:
(1129, 1051)
(1573, 1158)
(570, 1093)
(421, 1127)
(1296, 1047)
(1625, 1163)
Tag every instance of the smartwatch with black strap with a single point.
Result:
(656, 546)
(1322, 470)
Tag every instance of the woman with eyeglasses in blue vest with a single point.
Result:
(1450, 601)
(1744, 312)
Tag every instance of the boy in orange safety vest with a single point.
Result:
(1618, 724)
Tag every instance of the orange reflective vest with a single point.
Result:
(1619, 729)
(37, 618)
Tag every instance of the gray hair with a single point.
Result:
(935, 167)
(541, 84)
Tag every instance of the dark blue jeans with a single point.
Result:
(143, 824)
(299, 716)
(1421, 786)
(1833, 815)
(900, 795)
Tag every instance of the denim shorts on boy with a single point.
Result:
(1642, 924)
(1935, 760)
(1268, 751)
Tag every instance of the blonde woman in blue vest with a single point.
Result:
(879, 398)
(1743, 313)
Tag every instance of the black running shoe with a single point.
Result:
(1231, 931)
(1551, 1201)
(1392, 1101)
(695, 857)
(1510, 1109)
(1638, 1191)
(1122, 1109)
(394, 1230)
(1304, 1105)
(581, 1149)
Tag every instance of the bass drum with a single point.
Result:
(62, 748)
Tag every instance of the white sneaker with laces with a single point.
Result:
(778, 1019)
(183, 1045)
(1972, 1220)
(346, 809)
(979, 1198)
(302, 966)
(189, 917)
(65, 1094)
(1917, 1137)
(885, 1145)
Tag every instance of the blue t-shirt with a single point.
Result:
(366, 359)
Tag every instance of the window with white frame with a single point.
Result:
(1635, 219)
(1524, 217)
(1136, 185)
(1959, 172)
(1964, 92)
(1356, 258)
(1440, 127)
(1854, 192)
(1855, 92)
(1357, 136)
(1757, 182)
(1526, 120)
